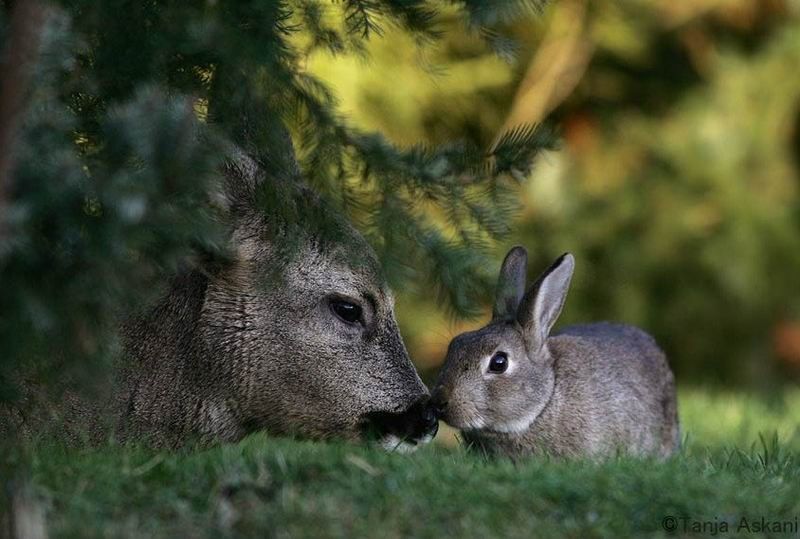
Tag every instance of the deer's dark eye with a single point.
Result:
(346, 311)
(499, 363)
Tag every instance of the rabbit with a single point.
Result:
(591, 390)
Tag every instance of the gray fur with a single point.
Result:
(588, 390)
(252, 343)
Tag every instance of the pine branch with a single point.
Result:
(462, 183)
(503, 46)
(414, 16)
(322, 36)
(514, 150)
(488, 13)
(359, 17)
(447, 203)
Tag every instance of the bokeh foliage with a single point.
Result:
(676, 185)
(680, 192)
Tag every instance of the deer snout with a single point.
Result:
(423, 423)
(438, 403)
(417, 425)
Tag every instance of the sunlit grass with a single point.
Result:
(722, 418)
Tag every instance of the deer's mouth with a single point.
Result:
(404, 431)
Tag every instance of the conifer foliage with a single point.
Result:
(126, 121)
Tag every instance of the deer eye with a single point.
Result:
(499, 363)
(346, 311)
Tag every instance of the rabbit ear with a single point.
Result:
(542, 304)
(510, 284)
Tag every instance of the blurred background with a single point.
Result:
(675, 182)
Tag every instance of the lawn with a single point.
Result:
(741, 460)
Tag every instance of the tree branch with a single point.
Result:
(21, 49)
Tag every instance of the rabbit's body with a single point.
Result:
(613, 390)
(589, 390)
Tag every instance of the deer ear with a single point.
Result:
(248, 167)
(510, 284)
(542, 304)
(241, 177)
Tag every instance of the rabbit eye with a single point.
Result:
(499, 363)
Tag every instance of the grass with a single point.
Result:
(741, 459)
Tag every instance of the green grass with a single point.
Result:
(742, 459)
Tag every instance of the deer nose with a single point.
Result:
(438, 404)
(430, 417)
